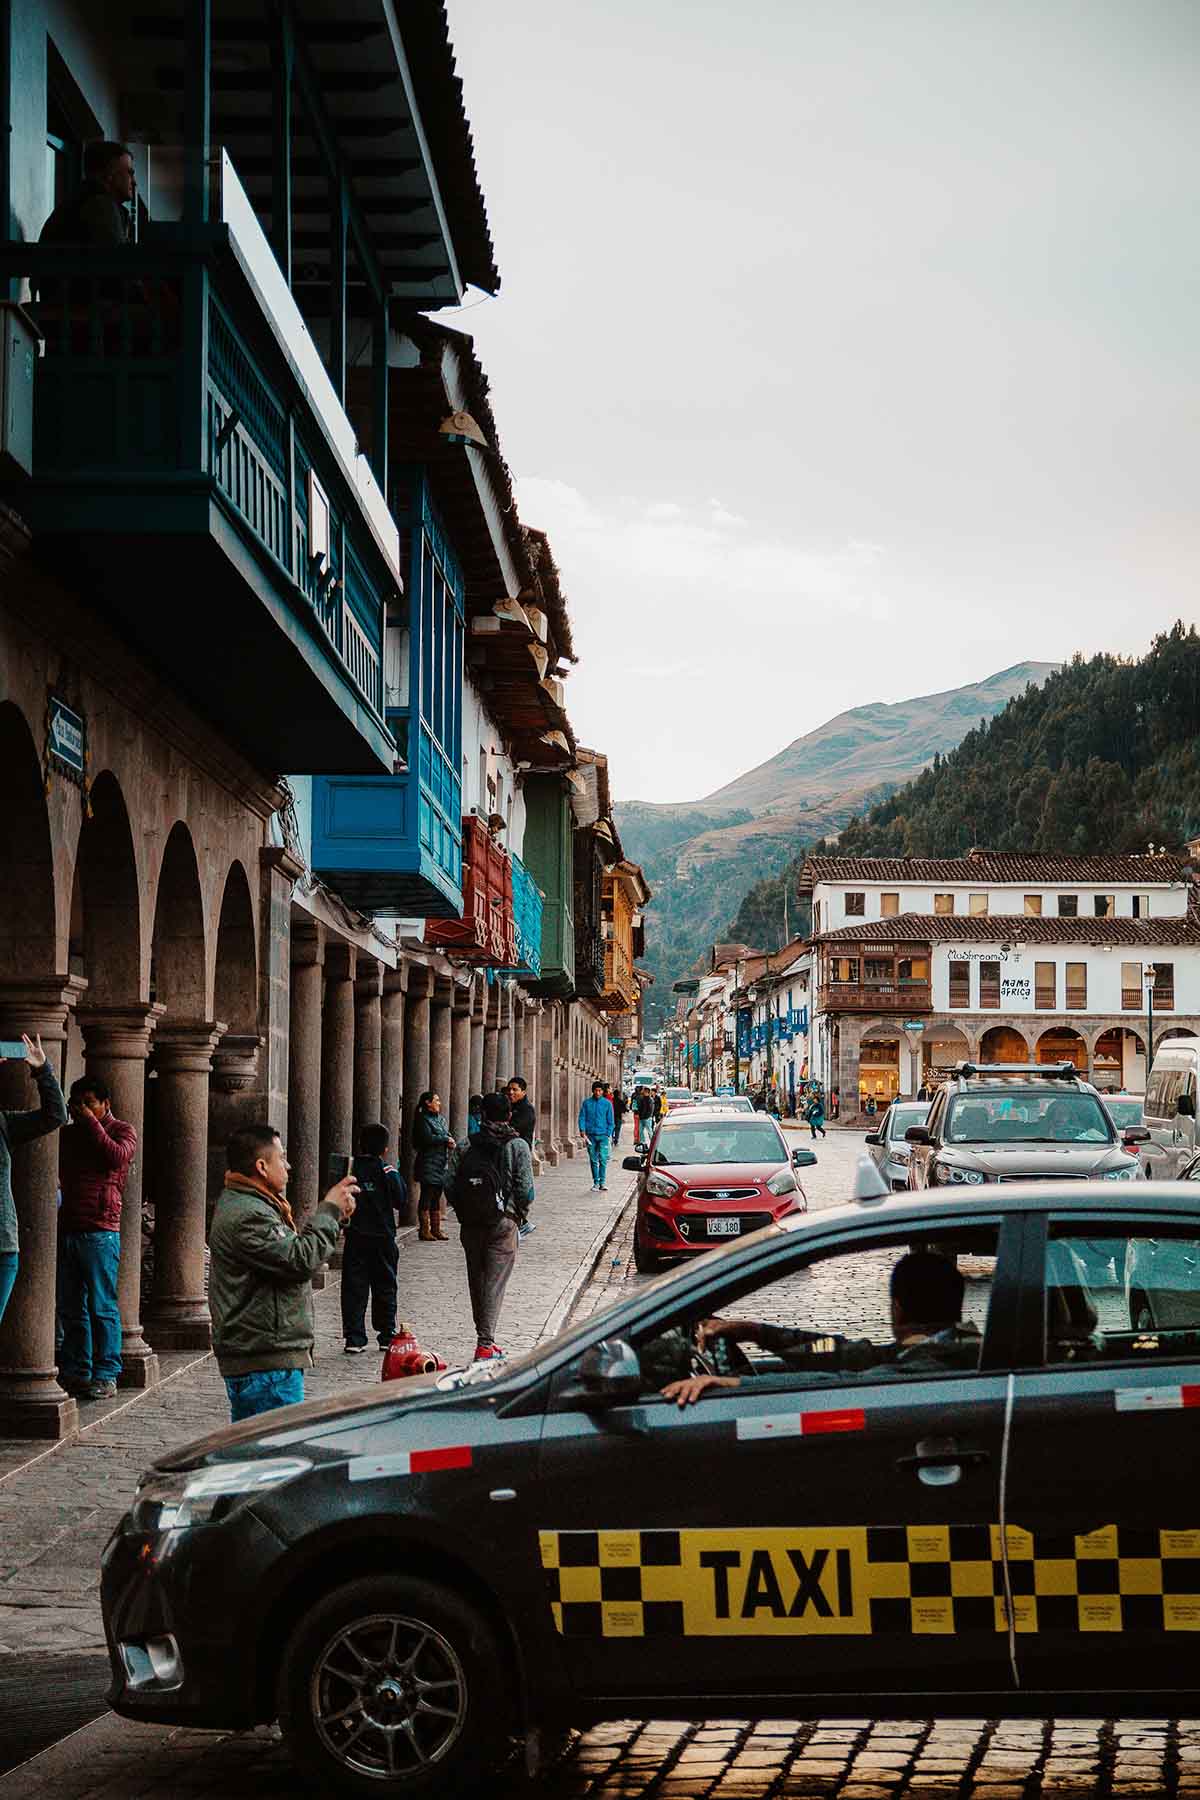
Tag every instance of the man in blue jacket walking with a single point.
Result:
(596, 1127)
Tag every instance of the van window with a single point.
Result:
(1163, 1091)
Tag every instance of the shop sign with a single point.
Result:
(1016, 991)
(914, 1024)
(66, 737)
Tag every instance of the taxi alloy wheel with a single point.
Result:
(394, 1686)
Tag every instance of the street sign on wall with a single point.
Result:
(65, 736)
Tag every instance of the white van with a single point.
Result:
(1170, 1113)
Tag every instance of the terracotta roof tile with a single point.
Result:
(998, 928)
(982, 867)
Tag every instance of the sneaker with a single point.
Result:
(525, 1227)
(78, 1390)
(357, 1349)
(602, 1189)
(485, 1352)
(101, 1390)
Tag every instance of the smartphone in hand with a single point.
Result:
(12, 1050)
(337, 1169)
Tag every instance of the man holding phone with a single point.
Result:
(21, 1128)
(260, 1274)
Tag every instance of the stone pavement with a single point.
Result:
(719, 1759)
(58, 1504)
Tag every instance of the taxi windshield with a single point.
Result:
(719, 1141)
(1027, 1118)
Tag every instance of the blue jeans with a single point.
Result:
(8, 1274)
(91, 1318)
(598, 1149)
(263, 1391)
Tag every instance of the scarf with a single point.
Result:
(250, 1184)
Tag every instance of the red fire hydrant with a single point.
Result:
(404, 1356)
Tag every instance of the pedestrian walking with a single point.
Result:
(474, 1114)
(260, 1273)
(596, 1129)
(815, 1115)
(490, 1187)
(620, 1106)
(17, 1127)
(95, 1152)
(524, 1118)
(643, 1116)
(369, 1255)
(432, 1144)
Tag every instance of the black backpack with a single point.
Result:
(476, 1193)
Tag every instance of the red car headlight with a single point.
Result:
(661, 1186)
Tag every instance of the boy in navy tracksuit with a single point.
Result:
(369, 1254)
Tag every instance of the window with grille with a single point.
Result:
(879, 968)
(1045, 985)
(1068, 906)
(856, 906)
(1131, 986)
(1164, 984)
(989, 984)
(960, 982)
(1076, 986)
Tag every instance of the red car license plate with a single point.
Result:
(724, 1227)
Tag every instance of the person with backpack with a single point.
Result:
(369, 1254)
(620, 1106)
(643, 1115)
(490, 1186)
(596, 1129)
(432, 1145)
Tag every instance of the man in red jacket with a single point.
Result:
(96, 1151)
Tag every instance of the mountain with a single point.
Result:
(701, 856)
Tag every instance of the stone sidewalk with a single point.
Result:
(59, 1503)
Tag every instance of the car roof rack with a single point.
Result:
(1063, 1071)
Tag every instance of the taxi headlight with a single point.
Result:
(661, 1186)
(899, 1152)
(782, 1183)
(947, 1172)
(1130, 1174)
(173, 1502)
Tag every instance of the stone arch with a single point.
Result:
(236, 971)
(1003, 1044)
(179, 959)
(1172, 1031)
(1062, 1043)
(943, 1043)
(106, 916)
(28, 911)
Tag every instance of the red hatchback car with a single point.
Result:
(709, 1175)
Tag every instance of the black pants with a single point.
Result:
(368, 1269)
(430, 1196)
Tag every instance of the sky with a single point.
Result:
(846, 349)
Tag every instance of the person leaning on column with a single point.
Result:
(21, 1128)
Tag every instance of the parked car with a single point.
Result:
(709, 1175)
(677, 1096)
(1170, 1109)
(408, 1577)
(731, 1102)
(1125, 1110)
(887, 1145)
(1017, 1122)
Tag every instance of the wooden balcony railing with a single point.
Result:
(876, 996)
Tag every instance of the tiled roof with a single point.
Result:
(425, 30)
(982, 867)
(999, 928)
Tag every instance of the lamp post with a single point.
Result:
(1149, 976)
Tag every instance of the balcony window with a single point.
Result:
(913, 969)
(1141, 906)
(889, 906)
(1131, 987)
(960, 982)
(1164, 985)
(879, 968)
(844, 968)
(1033, 906)
(1045, 986)
(1068, 906)
(1076, 987)
(989, 985)
(856, 906)
(943, 904)
(978, 905)
(1105, 905)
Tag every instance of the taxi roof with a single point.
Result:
(1182, 1197)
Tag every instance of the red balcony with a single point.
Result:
(487, 931)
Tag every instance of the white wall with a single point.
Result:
(1103, 975)
(1165, 901)
(479, 733)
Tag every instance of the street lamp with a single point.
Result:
(1149, 976)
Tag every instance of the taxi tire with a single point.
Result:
(483, 1744)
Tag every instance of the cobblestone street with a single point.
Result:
(861, 1759)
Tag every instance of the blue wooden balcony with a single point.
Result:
(194, 470)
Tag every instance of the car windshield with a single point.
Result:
(678, 1093)
(901, 1117)
(719, 1141)
(1027, 1118)
(1123, 1112)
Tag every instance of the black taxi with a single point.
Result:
(761, 1485)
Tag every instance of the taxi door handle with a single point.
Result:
(941, 1459)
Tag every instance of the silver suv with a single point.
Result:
(1017, 1122)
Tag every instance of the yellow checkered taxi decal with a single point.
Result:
(865, 1580)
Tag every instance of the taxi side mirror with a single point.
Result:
(803, 1159)
(607, 1374)
(633, 1163)
(918, 1134)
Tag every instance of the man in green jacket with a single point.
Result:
(260, 1275)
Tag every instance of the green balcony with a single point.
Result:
(195, 474)
(548, 856)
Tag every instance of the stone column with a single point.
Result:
(478, 1005)
(504, 1039)
(460, 1067)
(439, 1043)
(416, 1051)
(116, 1044)
(391, 1060)
(337, 1057)
(178, 1317)
(518, 1041)
(491, 1040)
(304, 1070)
(547, 1111)
(368, 1046)
(32, 1405)
(279, 872)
